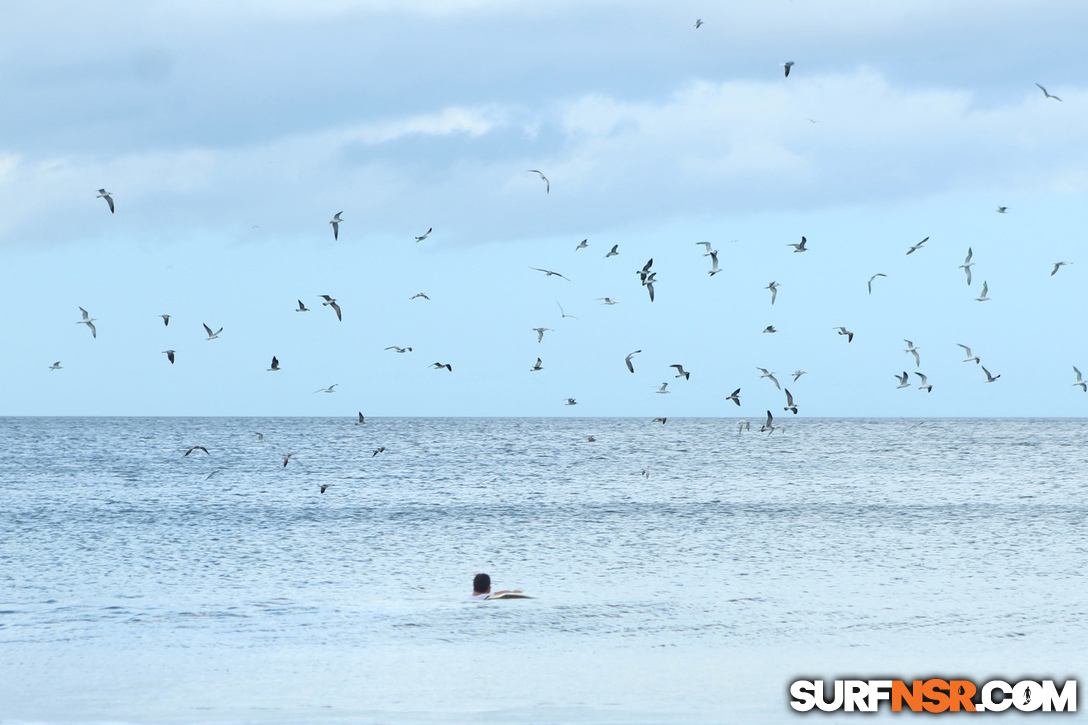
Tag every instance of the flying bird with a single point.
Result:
(662, 421)
(563, 314)
(970, 357)
(797, 374)
(275, 365)
(917, 246)
(103, 194)
(165, 320)
(1002, 209)
(614, 252)
(212, 335)
(799, 247)
(260, 437)
(286, 458)
(196, 448)
(878, 274)
(336, 225)
(302, 307)
(714, 269)
(1080, 381)
(547, 184)
(607, 300)
(734, 396)
(680, 373)
(362, 420)
(902, 380)
(582, 244)
(394, 348)
(769, 328)
(967, 264)
(787, 65)
(844, 331)
(324, 487)
(661, 390)
(418, 295)
(330, 389)
(56, 366)
(627, 361)
(989, 378)
(169, 355)
(698, 23)
(790, 405)
(379, 449)
(773, 287)
(770, 376)
(540, 332)
(985, 289)
(571, 401)
(769, 425)
(89, 322)
(1057, 266)
(912, 350)
(539, 366)
(549, 273)
(1045, 95)
(425, 234)
(439, 366)
(330, 302)
(924, 385)
(645, 273)
(709, 249)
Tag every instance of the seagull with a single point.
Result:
(260, 437)
(582, 244)
(56, 366)
(1058, 265)
(212, 335)
(967, 264)
(662, 421)
(769, 328)
(649, 284)
(787, 65)
(591, 439)
(330, 389)
(1080, 381)
(924, 385)
(799, 247)
(644, 273)
(912, 350)
(275, 365)
(362, 420)
(743, 425)
(902, 380)
(287, 458)
(1045, 95)
(646, 469)
(379, 449)
(302, 307)
(714, 269)
(607, 300)
(661, 390)
(336, 225)
(989, 378)
(547, 184)
(680, 372)
(540, 332)
(917, 246)
(196, 448)
(627, 361)
(165, 320)
(103, 194)
(698, 23)
(324, 487)
(769, 425)
(439, 366)
(770, 376)
(878, 274)
(419, 294)
(539, 366)
(88, 321)
(734, 396)
(790, 406)
(970, 357)
(1002, 209)
(549, 273)
(169, 355)
(614, 252)
(394, 348)
(844, 331)
(330, 302)
(798, 373)
(985, 289)
(773, 287)
(571, 401)
(563, 314)
(709, 249)
(425, 234)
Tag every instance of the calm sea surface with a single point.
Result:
(139, 585)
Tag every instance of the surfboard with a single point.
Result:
(509, 595)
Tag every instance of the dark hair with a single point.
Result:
(481, 583)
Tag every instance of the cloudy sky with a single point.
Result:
(230, 133)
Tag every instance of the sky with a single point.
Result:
(229, 134)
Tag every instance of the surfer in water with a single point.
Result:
(481, 588)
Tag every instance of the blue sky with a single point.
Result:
(229, 134)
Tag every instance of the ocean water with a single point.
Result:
(683, 573)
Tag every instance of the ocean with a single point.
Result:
(684, 572)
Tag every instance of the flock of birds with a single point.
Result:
(648, 278)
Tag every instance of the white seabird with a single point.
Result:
(537, 367)
(967, 264)
(628, 363)
(547, 184)
(211, 335)
(89, 322)
(773, 287)
(790, 405)
(1057, 266)
(878, 274)
(103, 194)
(1080, 381)
(912, 350)
(165, 320)
(425, 234)
(680, 373)
(1046, 94)
(924, 385)
(330, 302)
(336, 225)
(799, 247)
(902, 380)
(769, 375)
(917, 246)
(56, 366)
(989, 378)
(614, 252)
(275, 368)
(985, 289)
(661, 390)
(330, 389)
(549, 273)
(844, 331)
(169, 355)
(540, 332)
(970, 357)
(734, 396)
(787, 65)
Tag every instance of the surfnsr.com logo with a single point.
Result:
(934, 695)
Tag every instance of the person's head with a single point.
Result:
(481, 584)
